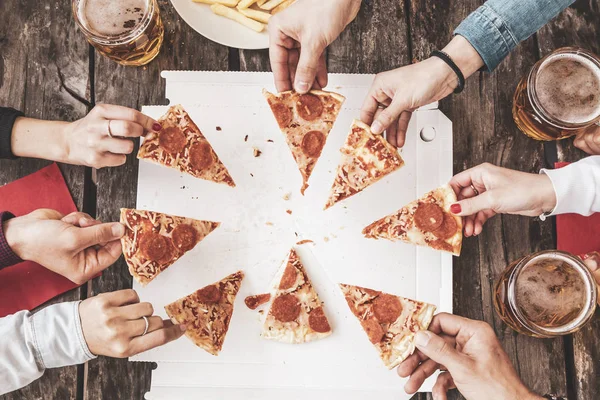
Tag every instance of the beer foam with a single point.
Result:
(568, 88)
(111, 17)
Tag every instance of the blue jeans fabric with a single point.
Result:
(498, 26)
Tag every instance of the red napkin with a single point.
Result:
(27, 285)
(575, 233)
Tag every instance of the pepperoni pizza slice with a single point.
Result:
(207, 312)
(182, 146)
(389, 321)
(366, 158)
(153, 241)
(425, 222)
(296, 314)
(305, 120)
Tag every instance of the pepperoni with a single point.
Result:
(156, 247)
(209, 294)
(309, 107)
(285, 308)
(282, 113)
(289, 277)
(387, 308)
(447, 229)
(201, 156)
(185, 237)
(441, 245)
(172, 140)
(312, 143)
(429, 217)
(318, 321)
(253, 302)
(373, 329)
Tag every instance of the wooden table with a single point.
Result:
(48, 70)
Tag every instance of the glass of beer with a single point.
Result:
(546, 294)
(561, 95)
(129, 32)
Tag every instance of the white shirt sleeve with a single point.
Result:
(30, 343)
(577, 187)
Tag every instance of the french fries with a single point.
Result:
(237, 16)
(271, 4)
(260, 16)
(253, 14)
(228, 3)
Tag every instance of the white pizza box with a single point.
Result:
(257, 232)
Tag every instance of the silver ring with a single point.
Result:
(147, 325)
(109, 131)
(380, 106)
(475, 190)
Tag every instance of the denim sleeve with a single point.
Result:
(498, 26)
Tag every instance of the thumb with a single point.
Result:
(308, 65)
(438, 349)
(101, 233)
(389, 115)
(473, 205)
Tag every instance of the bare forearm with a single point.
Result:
(35, 138)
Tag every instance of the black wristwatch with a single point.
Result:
(554, 397)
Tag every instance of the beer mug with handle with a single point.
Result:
(560, 96)
(129, 32)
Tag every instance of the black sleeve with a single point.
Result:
(7, 120)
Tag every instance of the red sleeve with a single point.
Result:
(7, 255)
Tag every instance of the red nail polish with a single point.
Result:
(455, 208)
(156, 126)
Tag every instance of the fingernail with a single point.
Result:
(455, 208)
(376, 128)
(156, 126)
(422, 338)
(302, 86)
(118, 229)
(182, 327)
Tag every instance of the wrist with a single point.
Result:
(39, 139)
(14, 237)
(546, 193)
(464, 55)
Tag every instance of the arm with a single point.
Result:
(498, 26)
(7, 256)
(31, 343)
(7, 120)
(577, 187)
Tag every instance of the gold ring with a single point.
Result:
(111, 135)
(147, 325)
(475, 190)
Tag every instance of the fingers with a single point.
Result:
(368, 110)
(121, 297)
(308, 64)
(280, 67)
(473, 205)
(137, 310)
(157, 338)
(402, 128)
(322, 79)
(418, 376)
(116, 146)
(79, 219)
(411, 363)
(389, 115)
(122, 128)
(443, 383)
(137, 327)
(101, 233)
(110, 160)
(448, 324)
(112, 112)
(438, 350)
(589, 140)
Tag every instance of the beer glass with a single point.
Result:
(560, 96)
(129, 32)
(546, 294)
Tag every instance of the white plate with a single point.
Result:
(219, 29)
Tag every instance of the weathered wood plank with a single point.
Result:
(578, 26)
(42, 54)
(484, 131)
(184, 49)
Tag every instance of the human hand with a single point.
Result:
(589, 140)
(113, 325)
(298, 37)
(472, 357)
(395, 94)
(592, 261)
(499, 191)
(75, 246)
(88, 141)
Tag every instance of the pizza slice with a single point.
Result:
(425, 222)
(207, 312)
(366, 158)
(153, 241)
(305, 120)
(389, 321)
(295, 313)
(182, 146)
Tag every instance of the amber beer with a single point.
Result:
(129, 32)
(546, 294)
(561, 95)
